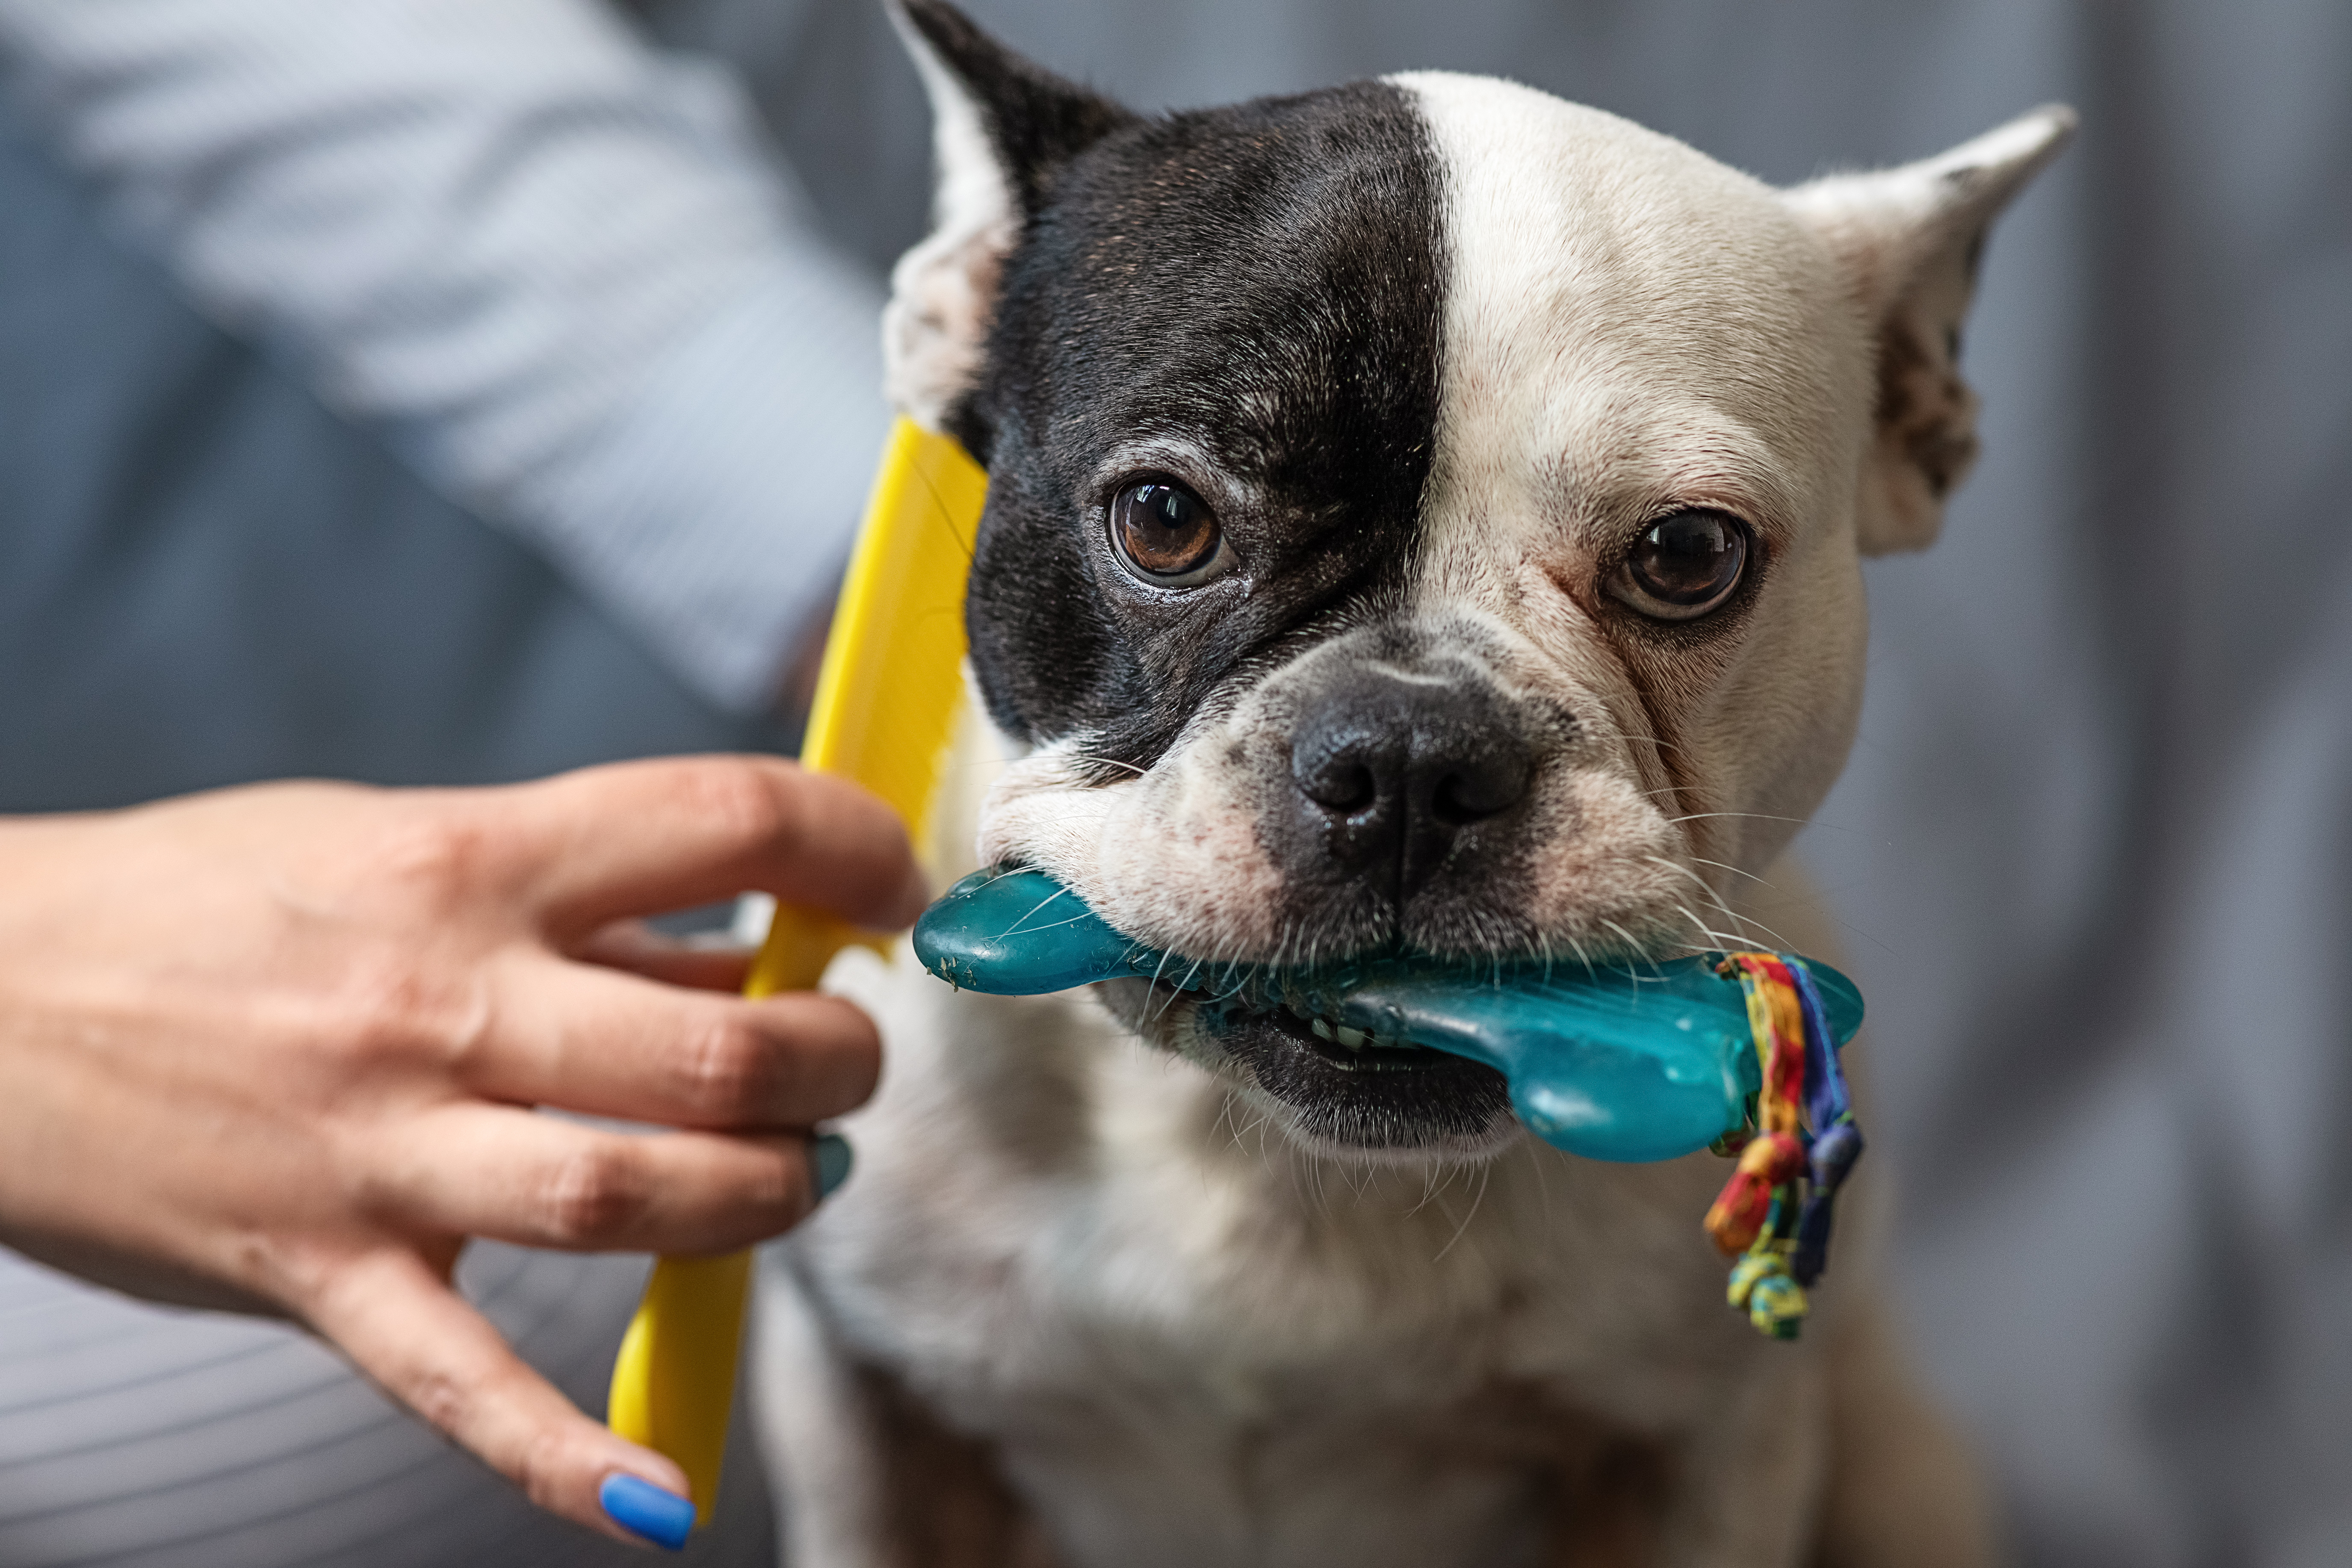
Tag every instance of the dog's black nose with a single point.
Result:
(1393, 764)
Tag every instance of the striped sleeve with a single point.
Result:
(556, 267)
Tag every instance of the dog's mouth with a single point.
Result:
(1353, 1050)
(1402, 1053)
(1334, 1082)
(1346, 1087)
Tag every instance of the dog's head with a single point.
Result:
(1423, 512)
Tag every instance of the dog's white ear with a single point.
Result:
(1909, 240)
(1001, 129)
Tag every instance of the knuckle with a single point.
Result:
(820, 1056)
(438, 858)
(392, 1006)
(746, 802)
(542, 1467)
(442, 1398)
(292, 1273)
(728, 1071)
(595, 1194)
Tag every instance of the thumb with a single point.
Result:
(402, 1326)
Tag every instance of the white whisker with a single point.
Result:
(1485, 1173)
(1109, 762)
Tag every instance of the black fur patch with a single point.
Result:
(1262, 284)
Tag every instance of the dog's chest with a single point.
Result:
(1233, 1470)
(1183, 1344)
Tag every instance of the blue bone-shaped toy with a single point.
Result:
(1626, 1060)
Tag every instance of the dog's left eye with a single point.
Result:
(1686, 564)
(1167, 535)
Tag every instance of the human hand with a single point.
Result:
(276, 1049)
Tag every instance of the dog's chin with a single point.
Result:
(1361, 1103)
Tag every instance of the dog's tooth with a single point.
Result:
(1353, 1039)
(1322, 1030)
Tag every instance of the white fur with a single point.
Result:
(1581, 404)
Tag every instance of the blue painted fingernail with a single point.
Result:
(643, 1508)
(829, 1153)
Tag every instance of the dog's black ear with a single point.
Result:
(1909, 240)
(1002, 130)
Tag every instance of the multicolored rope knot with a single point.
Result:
(1774, 1214)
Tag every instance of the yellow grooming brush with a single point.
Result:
(886, 699)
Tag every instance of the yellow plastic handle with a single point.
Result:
(674, 1384)
(886, 700)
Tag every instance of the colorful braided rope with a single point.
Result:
(1774, 1215)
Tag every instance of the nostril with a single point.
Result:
(1484, 789)
(1451, 806)
(1342, 787)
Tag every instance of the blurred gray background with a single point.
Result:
(2092, 847)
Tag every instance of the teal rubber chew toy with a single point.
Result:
(1627, 1060)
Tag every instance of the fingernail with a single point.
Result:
(829, 1155)
(643, 1508)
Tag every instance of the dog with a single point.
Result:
(1422, 514)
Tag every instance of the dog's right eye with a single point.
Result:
(1167, 535)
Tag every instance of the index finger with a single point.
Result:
(641, 837)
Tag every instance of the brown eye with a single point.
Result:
(1685, 565)
(1167, 535)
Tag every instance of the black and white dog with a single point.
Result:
(1424, 513)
